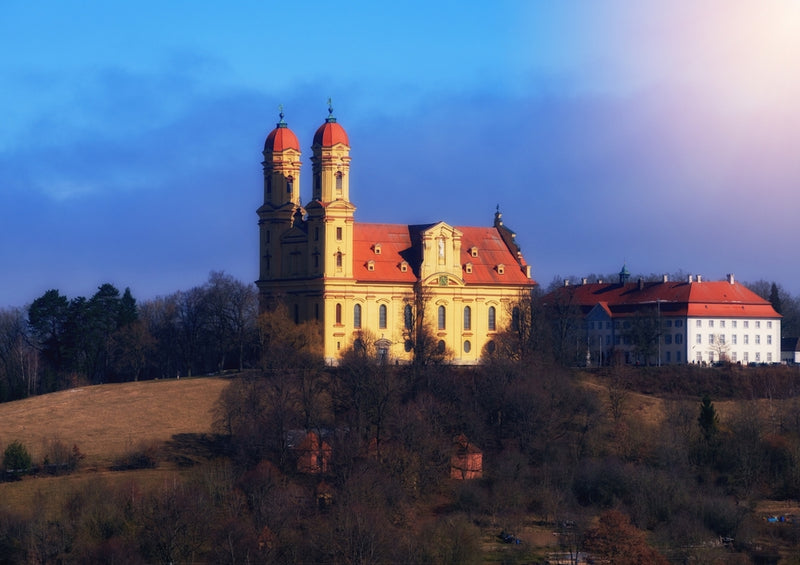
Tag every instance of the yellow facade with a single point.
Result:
(359, 280)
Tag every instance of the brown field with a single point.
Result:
(107, 421)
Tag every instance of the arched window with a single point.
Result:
(289, 184)
(467, 318)
(492, 319)
(382, 316)
(357, 316)
(442, 318)
(339, 260)
(338, 314)
(269, 184)
(339, 182)
(408, 317)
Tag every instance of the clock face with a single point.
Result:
(443, 280)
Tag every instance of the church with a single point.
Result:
(363, 280)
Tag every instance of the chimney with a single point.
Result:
(566, 282)
(584, 280)
(600, 281)
(731, 280)
(665, 279)
(690, 279)
(699, 278)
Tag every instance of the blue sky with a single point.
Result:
(663, 135)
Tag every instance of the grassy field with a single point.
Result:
(107, 421)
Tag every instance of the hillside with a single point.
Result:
(106, 421)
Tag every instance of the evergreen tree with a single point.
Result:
(708, 419)
(774, 298)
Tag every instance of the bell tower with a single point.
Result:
(330, 210)
(281, 166)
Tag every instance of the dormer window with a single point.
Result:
(468, 268)
(473, 251)
(377, 248)
(403, 267)
(501, 269)
(370, 265)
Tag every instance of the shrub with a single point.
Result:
(16, 458)
(59, 458)
(143, 456)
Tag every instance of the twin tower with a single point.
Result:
(301, 242)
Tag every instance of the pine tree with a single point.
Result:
(775, 298)
(708, 420)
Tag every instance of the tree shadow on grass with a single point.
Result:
(188, 449)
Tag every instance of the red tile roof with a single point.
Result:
(399, 243)
(329, 134)
(718, 299)
(280, 139)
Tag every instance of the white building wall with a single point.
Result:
(743, 340)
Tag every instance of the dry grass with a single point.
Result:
(107, 421)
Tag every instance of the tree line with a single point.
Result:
(58, 342)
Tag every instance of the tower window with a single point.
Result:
(338, 314)
(382, 317)
(467, 346)
(269, 184)
(339, 260)
(492, 319)
(339, 182)
(338, 234)
(289, 184)
(317, 185)
(442, 318)
(467, 318)
(357, 316)
(316, 234)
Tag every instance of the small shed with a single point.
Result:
(312, 451)
(467, 460)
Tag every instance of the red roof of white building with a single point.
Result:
(711, 299)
